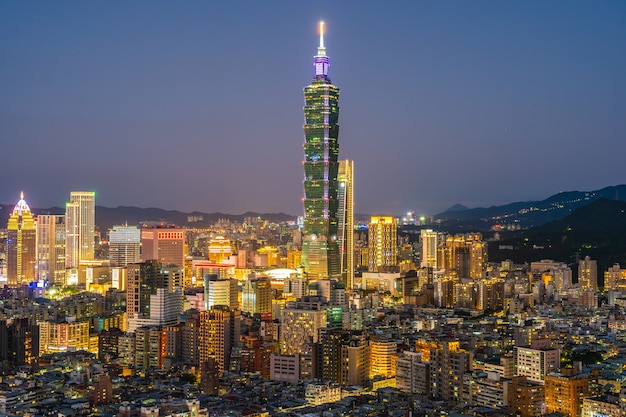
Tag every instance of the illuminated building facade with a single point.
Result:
(320, 245)
(21, 245)
(124, 245)
(588, 274)
(346, 221)
(80, 226)
(219, 333)
(429, 240)
(61, 337)
(165, 244)
(300, 323)
(535, 364)
(383, 246)
(51, 248)
(381, 353)
(257, 295)
(220, 292)
(566, 391)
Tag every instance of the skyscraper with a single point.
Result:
(154, 295)
(346, 221)
(21, 244)
(429, 240)
(80, 226)
(51, 248)
(320, 246)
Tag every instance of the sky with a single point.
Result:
(197, 105)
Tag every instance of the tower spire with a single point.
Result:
(321, 60)
(321, 50)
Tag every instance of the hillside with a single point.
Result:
(531, 213)
(107, 217)
(597, 230)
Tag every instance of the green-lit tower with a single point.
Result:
(320, 246)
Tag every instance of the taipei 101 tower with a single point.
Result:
(320, 246)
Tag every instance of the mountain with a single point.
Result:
(597, 230)
(107, 217)
(456, 207)
(530, 213)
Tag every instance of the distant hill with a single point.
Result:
(530, 213)
(106, 217)
(456, 207)
(597, 230)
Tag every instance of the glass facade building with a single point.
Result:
(320, 245)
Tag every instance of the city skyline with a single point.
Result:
(478, 104)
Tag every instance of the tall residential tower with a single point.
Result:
(320, 246)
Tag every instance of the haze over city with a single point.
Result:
(198, 106)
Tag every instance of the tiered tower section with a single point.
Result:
(320, 246)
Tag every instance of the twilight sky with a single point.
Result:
(197, 105)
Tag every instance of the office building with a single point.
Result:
(257, 295)
(383, 246)
(345, 214)
(165, 244)
(80, 228)
(320, 245)
(153, 295)
(124, 245)
(220, 292)
(51, 248)
(21, 245)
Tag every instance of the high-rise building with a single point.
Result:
(320, 245)
(220, 292)
(429, 241)
(165, 244)
(448, 364)
(381, 353)
(124, 245)
(51, 248)
(219, 333)
(345, 214)
(526, 397)
(80, 227)
(21, 245)
(535, 364)
(300, 324)
(566, 391)
(19, 343)
(588, 274)
(257, 295)
(153, 295)
(383, 246)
